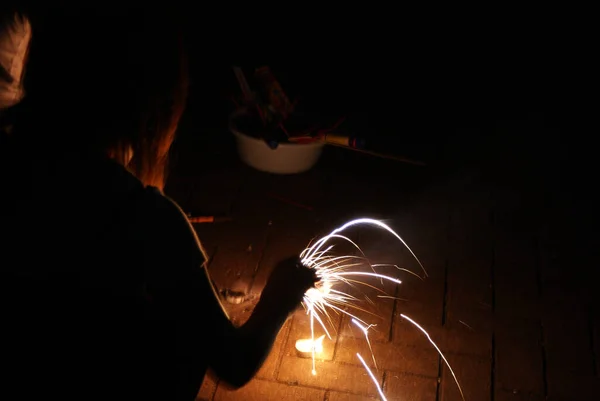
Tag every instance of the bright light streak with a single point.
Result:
(438, 350)
(372, 377)
(365, 331)
(333, 271)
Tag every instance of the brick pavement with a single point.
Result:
(494, 300)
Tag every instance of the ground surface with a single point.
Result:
(507, 298)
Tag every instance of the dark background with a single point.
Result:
(507, 91)
(448, 85)
(432, 84)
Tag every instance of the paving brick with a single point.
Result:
(427, 313)
(567, 336)
(428, 291)
(473, 374)
(469, 318)
(269, 368)
(515, 301)
(565, 387)
(251, 213)
(402, 387)
(426, 221)
(470, 336)
(381, 246)
(253, 193)
(596, 344)
(300, 329)
(405, 333)
(233, 265)
(448, 225)
(238, 313)
(343, 197)
(262, 390)
(454, 337)
(472, 204)
(515, 280)
(570, 365)
(240, 243)
(389, 356)
(215, 192)
(299, 191)
(278, 248)
(376, 307)
(549, 253)
(512, 395)
(467, 244)
(241, 231)
(433, 254)
(519, 365)
(470, 252)
(470, 281)
(337, 396)
(330, 375)
(381, 321)
(208, 388)
(515, 257)
(426, 233)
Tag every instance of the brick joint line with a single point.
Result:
(493, 277)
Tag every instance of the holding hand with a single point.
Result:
(287, 284)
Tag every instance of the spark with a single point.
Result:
(365, 331)
(372, 377)
(460, 321)
(309, 252)
(333, 271)
(438, 350)
(391, 297)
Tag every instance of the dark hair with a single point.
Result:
(106, 82)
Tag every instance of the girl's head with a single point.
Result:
(106, 82)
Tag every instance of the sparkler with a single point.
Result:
(333, 271)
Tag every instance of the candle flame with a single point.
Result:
(308, 345)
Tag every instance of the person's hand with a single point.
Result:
(287, 284)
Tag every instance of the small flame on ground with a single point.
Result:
(307, 345)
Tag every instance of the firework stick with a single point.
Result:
(348, 141)
(208, 219)
(380, 155)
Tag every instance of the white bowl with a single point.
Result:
(287, 158)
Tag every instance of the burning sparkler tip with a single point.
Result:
(332, 270)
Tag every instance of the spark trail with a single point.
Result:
(334, 271)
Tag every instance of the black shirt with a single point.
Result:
(104, 292)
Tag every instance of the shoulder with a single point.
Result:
(166, 209)
(169, 226)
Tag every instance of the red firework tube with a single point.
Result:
(351, 142)
(208, 219)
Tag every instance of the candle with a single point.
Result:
(305, 346)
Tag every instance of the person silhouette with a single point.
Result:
(105, 289)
